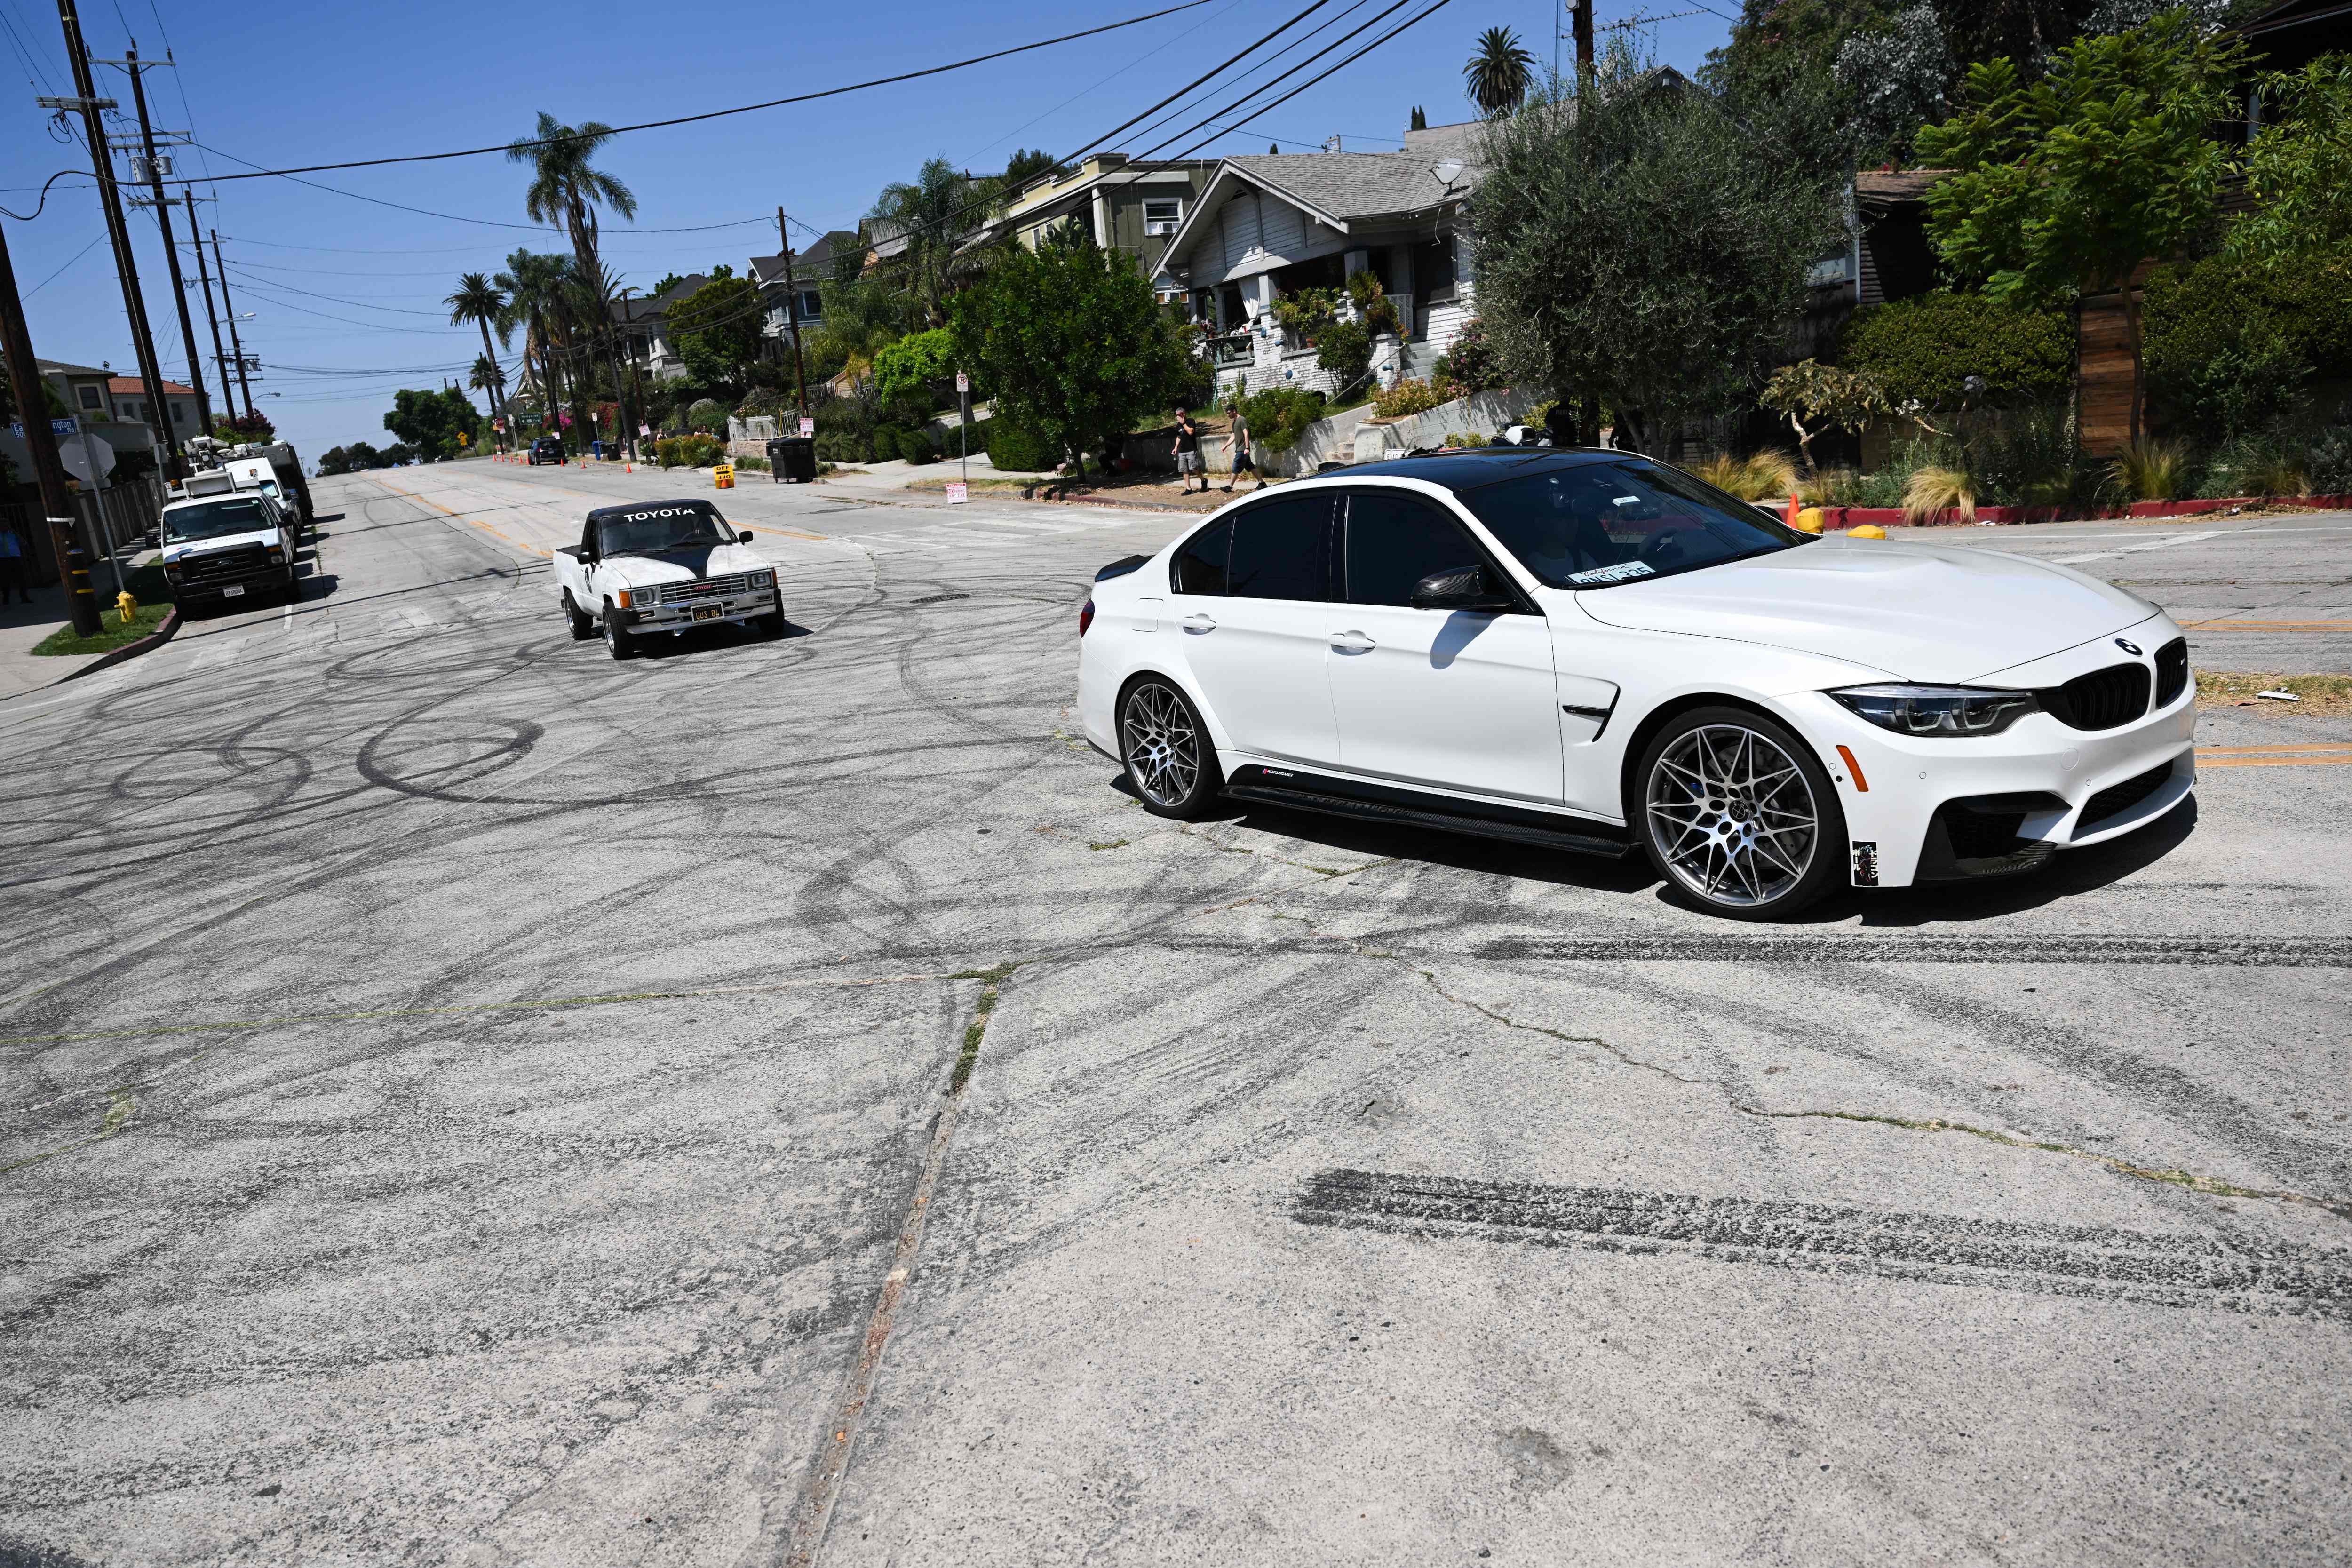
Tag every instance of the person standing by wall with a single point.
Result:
(16, 564)
(1243, 458)
(1188, 451)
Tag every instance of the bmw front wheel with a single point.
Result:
(1736, 813)
(1172, 764)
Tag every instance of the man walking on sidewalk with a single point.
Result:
(1188, 451)
(16, 564)
(1242, 458)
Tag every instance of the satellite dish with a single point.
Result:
(87, 457)
(1449, 170)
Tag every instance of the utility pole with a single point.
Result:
(126, 268)
(792, 315)
(32, 407)
(1583, 23)
(163, 218)
(228, 309)
(204, 279)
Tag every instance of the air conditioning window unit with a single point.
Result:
(1162, 228)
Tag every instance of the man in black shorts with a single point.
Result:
(1188, 451)
(1243, 461)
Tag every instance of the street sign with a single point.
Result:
(56, 428)
(957, 493)
(87, 458)
(808, 426)
(964, 383)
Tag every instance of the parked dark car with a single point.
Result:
(546, 449)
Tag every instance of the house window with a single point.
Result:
(89, 397)
(812, 305)
(1162, 213)
(179, 413)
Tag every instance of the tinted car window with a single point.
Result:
(1200, 564)
(659, 527)
(1596, 524)
(1395, 540)
(1282, 550)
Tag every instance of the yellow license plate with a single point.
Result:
(709, 612)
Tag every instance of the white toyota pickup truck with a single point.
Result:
(663, 566)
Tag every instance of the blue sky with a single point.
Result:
(350, 288)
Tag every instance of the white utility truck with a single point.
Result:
(222, 543)
(663, 566)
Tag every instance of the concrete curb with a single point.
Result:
(152, 641)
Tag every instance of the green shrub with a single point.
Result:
(756, 464)
(843, 446)
(1470, 364)
(1279, 415)
(2255, 465)
(915, 364)
(2327, 463)
(2230, 344)
(1019, 450)
(884, 443)
(1409, 398)
(916, 446)
(1927, 347)
(708, 413)
(1344, 349)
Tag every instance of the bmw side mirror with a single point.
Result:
(1464, 588)
(743, 536)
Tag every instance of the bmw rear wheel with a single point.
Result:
(1170, 762)
(1739, 814)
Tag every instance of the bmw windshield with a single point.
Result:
(1594, 525)
(216, 520)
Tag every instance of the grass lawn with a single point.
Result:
(146, 584)
(2322, 694)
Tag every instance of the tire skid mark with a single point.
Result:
(2261, 1278)
(2235, 952)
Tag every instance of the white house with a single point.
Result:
(810, 268)
(1266, 226)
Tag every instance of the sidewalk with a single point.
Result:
(22, 626)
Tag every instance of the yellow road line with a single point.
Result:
(470, 522)
(2306, 757)
(2266, 750)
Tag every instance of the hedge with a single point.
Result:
(1019, 450)
(2230, 344)
(1925, 347)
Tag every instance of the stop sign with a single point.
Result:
(87, 457)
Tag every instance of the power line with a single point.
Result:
(1113, 76)
(1398, 31)
(331, 298)
(1299, 42)
(721, 113)
(53, 276)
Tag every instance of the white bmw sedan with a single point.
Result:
(1591, 651)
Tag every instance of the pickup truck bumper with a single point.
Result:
(705, 613)
(274, 580)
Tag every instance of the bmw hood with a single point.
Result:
(1923, 612)
(684, 563)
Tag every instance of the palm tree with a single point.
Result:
(566, 189)
(1500, 72)
(935, 213)
(482, 302)
(537, 285)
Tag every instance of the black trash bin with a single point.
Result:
(793, 458)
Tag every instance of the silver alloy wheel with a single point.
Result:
(1733, 816)
(1161, 747)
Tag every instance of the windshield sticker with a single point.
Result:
(1620, 574)
(1627, 500)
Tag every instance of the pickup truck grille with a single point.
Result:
(242, 561)
(708, 588)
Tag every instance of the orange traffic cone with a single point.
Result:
(1791, 516)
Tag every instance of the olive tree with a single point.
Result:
(1641, 250)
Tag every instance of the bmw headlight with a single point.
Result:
(763, 579)
(1938, 710)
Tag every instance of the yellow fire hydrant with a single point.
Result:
(126, 607)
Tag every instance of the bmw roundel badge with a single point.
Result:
(2128, 647)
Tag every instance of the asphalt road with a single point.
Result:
(464, 1100)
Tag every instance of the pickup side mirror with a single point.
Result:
(1463, 588)
(743, 536)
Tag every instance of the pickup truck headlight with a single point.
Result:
(278, 558)
(628, 601)
(763, 579)
(1938, 710)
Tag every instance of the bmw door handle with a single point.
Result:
(1351, 642)
(1197, 624)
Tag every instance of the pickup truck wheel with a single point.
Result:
(617, 640)
(582, 626)
(771, 626)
